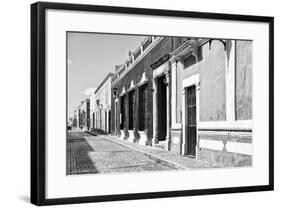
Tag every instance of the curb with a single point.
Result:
(173, 164)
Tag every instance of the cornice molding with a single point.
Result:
(141, 56)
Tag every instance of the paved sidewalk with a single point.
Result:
(174, 159)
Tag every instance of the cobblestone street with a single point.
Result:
(93, 154)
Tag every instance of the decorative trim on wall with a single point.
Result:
(142, 55)
(227, 146)
(123, 92)
(143, 79)
(132, 86)
(241, 137)
(160, 61)
(192, 80)
(189, 48)
(238, 125)
(160, 70)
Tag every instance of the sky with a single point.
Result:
(91, 57)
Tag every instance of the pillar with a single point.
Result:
(167, 76)
(230, 80)
(174, 93)
(155, 113)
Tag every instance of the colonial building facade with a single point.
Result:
(81, 118)
(101, 115)
(132, 85)
(92, 110)
(211, 101)
(192, 96)
(75, 119)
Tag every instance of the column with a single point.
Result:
(100, 118)
(155, 113)
(105, 121)
(116, 118)
(174, 93)
(183, 149)
(108, 122)
(230, 80)
(167, 76)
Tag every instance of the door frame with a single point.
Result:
(190, 147)
(93, 119)
(160, 97)
(188, 82)
(162, 70)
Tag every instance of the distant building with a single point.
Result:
(75, 119)
(92, 110)
(102, 106)
(82, 115)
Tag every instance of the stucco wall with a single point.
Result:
(212, 82)
(92, 102)
(104, 95)
(243, 95)
(144, 65)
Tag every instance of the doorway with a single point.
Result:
(93, 120)
(105, 122)
(116, 118)
(142, 107)
(162, 108)
(109, 121)
(131, 109)
(190, 122)
(122, 112)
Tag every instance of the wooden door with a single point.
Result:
(131, 109)
(142, 107)
(162, 108)
(191, 128)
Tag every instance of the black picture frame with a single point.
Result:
(38, 102)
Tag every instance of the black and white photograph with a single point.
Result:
(139, 103)
(134, 103)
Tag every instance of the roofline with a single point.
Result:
(157, 40)
(110, 74)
